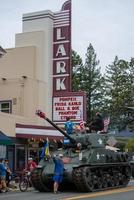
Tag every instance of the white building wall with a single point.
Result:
(38, 32)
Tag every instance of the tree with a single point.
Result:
(110, 94)
(92, 83)
(130, 145)
(119, 90)
(88, 78)
(76, 72)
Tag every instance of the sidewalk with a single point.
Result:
(14, 187)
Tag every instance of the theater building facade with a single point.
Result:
(36, 74)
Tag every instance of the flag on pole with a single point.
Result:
(45, 150)
(82, 125)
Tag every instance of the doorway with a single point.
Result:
(34, 153)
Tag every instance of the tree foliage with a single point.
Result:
(111, 93)
(76, 72)
(88, 78)
(92, 82)
(119, 91)
(130, 145)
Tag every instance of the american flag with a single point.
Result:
(106, 123)
(82, 126)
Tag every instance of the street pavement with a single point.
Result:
(126, 193)
(15, 186)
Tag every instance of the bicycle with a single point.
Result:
(25, 181)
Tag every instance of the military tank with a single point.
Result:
(89, 166)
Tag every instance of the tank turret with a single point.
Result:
(42, 115)
(89, 165)
(86, 140)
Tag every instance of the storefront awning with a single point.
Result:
(4, 139)
(37, 132)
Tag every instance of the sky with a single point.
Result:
(106, 24)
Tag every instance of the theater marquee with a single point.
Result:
(70, 105)
(62, 50)
(65, 102)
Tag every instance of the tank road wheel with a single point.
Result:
(112, 181)
(120, 178)
(125, 175)
(88, 179)
(104, 181)
(128, 174)
(108, 179)
(83, 179)
(124, 180)
(78, 180)
(116, 180)
(95, 181)
(99, 183)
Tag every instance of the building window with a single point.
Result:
(3, 149)
(6, 106)
(20, 157)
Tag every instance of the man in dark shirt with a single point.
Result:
(97, 124)
(58, 171)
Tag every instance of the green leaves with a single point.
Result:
(130, 145)
(110, 93)
(88, 78)
(120, 91)
(76, 71)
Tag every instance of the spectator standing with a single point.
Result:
(69, 126)
(8, 172)
(58, 172)
(3, 186)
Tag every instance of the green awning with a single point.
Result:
(4, 139)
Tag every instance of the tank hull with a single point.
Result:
(89, 165)
(86, 178)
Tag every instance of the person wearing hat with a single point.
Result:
(58, 172)
(31, 165)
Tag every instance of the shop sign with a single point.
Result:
(68, 106)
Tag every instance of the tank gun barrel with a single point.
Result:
(42, 115)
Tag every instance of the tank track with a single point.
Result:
(37, 181)
(101, 177)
